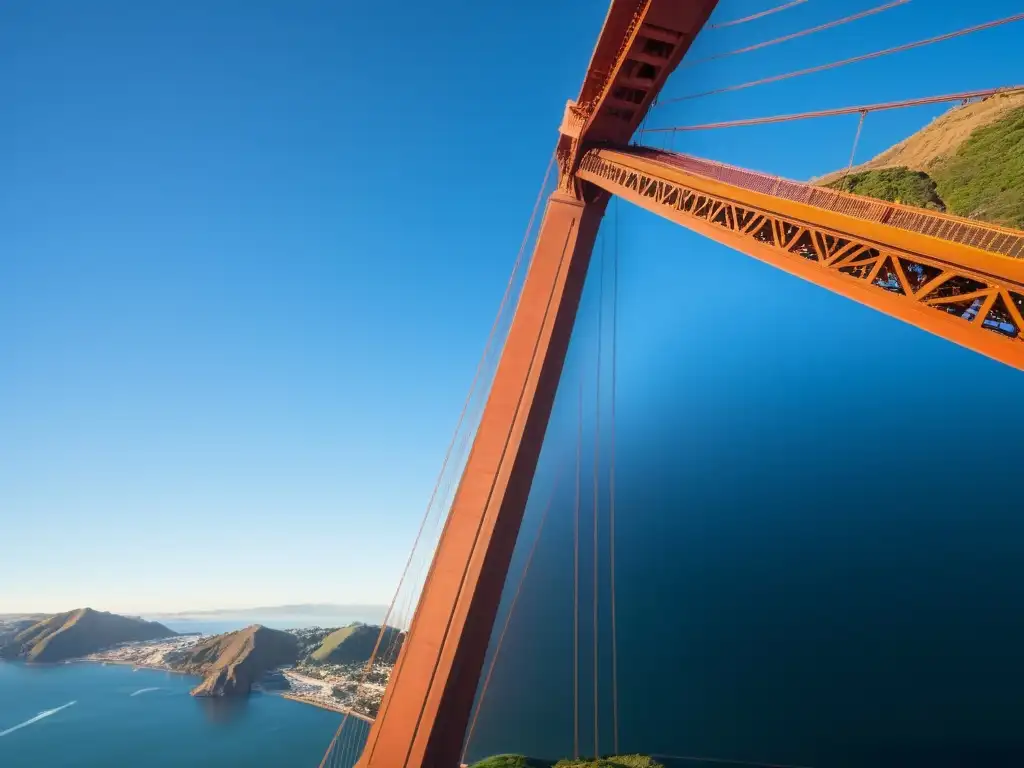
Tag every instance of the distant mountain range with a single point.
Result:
(367, 612)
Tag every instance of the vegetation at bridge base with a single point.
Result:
(512, 761)
(612, 761)
(896, 185)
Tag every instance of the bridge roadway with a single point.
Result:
(960, 279)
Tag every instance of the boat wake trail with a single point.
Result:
(42, 715)
(143, 690)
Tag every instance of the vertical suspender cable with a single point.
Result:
(597, 503)
(611, 482)
(576, 587)
(346, 746)
(338, 747)
(853, 151)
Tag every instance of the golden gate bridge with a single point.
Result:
(959, 279)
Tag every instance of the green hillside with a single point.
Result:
(897, 185)
(352, 644)
(982, 179)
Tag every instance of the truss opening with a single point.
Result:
(888, 277)
(804, 246)
(658, 48)
(833, 244)
(639, 71)
(967, 309)
(955, 286)
(743, 217)
(1018, 299)
(646, 71)
(1000, 320)
(866, 255)
(632, 95)
(765, 233)
(859, 271)
(788, 231)
(918, 275)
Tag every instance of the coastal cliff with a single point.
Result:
(76, 633)
(232, 662)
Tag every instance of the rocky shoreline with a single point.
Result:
(324, 667)
(300, 696)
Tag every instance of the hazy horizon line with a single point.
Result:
(288, 609)
(324, 609)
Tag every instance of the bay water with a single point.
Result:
(109, 716)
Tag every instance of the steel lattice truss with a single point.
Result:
(977, 309)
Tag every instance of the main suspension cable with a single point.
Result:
(755, 16)
(854, 60)
(1005, 90)
(795, 35)
(576, 586)
(597, 502)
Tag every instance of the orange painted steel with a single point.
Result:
(641, 43)
(959, 279)
(426, 708)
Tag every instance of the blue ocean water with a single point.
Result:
(95, 716)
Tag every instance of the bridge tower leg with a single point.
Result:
(425, 711)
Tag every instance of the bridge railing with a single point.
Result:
(984, 236)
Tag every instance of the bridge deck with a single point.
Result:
(960, 279)
(954, 229)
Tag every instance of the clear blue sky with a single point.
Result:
(249, 253)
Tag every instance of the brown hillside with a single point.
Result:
(80, 632)
(939, 139)
(232, 662)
